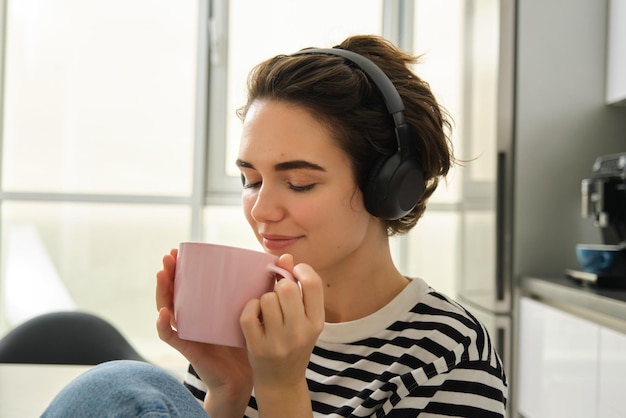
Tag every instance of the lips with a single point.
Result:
(278, 242)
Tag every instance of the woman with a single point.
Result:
(331, 167)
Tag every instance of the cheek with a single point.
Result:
(354, 216)
(355, 201)
(340, 212)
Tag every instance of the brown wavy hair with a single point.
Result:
(341, 97)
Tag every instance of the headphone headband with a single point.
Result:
(393, 101)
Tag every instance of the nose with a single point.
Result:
(266, 205)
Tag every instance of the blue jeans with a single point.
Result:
(125, 389)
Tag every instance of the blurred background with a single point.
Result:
(119, 137)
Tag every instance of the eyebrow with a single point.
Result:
(286, 165)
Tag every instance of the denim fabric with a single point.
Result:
(125, 389)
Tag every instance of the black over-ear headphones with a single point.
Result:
(396, 181)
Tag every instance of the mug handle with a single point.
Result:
(280, 271)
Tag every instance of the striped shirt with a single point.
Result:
(422, 354)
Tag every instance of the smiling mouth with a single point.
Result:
(271, 242)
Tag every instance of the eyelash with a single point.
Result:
(250, 186)
(301, 189)
(297, 189)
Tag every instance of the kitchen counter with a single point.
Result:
(607, 306)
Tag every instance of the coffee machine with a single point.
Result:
(604, 201)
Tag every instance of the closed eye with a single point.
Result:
(286, 167)
(247, 185)
(301, 189)
(252, 185)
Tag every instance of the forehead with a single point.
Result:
(278, 130)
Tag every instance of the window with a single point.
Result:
(97, 156)
(119, 137)
(114, 113)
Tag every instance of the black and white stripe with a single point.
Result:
(433, 360)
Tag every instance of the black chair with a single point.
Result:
(65, 338)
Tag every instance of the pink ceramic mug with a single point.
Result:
(212, 285)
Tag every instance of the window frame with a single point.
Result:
(224, 189)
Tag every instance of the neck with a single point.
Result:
(361, 285)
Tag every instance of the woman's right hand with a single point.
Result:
(225, 370)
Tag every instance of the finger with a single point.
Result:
(250, 321)
(271, 313)
(290, 300)
(286, 262)
(169, 262)
(165, 282)
(164, 328)
(164, 290)
(312, 293)
(163, 293)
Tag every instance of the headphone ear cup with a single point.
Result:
(394, 187)
(374, 188)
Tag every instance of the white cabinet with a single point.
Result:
(616, 53)
(558, 359)
(568, 366)
(612, 374)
